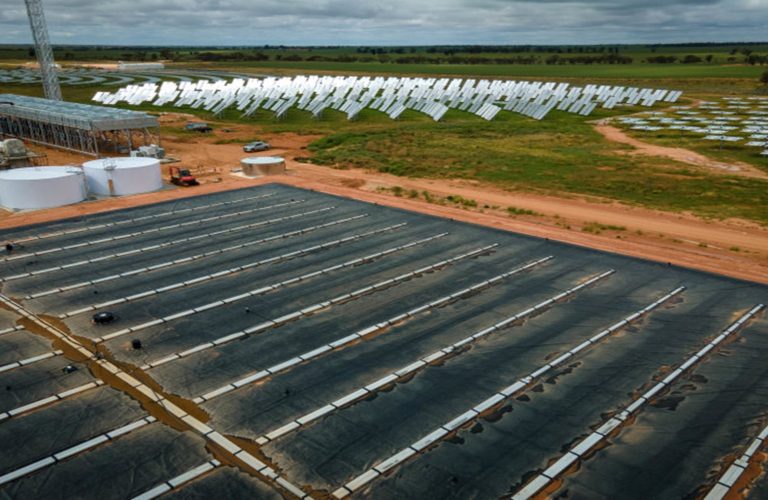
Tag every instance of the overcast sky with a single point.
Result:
(389, 22)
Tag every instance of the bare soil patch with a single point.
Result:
(678, 154)
(732, 247)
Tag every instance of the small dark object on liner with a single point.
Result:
(136, 343)
(69, 369)
(104, 317)
(9, 247)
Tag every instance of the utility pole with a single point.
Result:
(43, 50)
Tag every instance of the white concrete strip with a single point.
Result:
(119, 237)
(155, 492)
(71, 451)
(31, 406)
(310, 310)
(184, 260)
(595, 438)
(256, 292)
(179, 480)
(355, 485)
(245, 458)
(391, 378)
(535, 485)
(370, 330)
(233, 270)
(12, 329)
(20, 410)
(29, 361)
(268, 472)
(13, 475)
(732, 475)
(134, 220)
(435, 435)
(159, 246)
(129, 428)
(291, 488)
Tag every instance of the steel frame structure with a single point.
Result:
(81, 128)
(43, 49)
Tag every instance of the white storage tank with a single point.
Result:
(263, 165)
(121, 176)
(41, 187)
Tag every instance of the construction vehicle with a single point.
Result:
(183, 177)
(151, 151)
(201, 127)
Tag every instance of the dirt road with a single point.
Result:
(678, 154)
(735, 248)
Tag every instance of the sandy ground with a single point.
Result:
(678, 154)
(734, 248)
(110, 66)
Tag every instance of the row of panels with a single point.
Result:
(376, 352)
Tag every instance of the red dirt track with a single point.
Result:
(734, 248)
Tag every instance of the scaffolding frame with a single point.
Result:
(82, 128)
(43, 49)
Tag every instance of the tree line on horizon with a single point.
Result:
(746, 53)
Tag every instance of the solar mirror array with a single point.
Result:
(111, 77)
(739, 121)
(276, 341)
(389, 95)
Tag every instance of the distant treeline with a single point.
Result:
(495, 49)
(700, 53)
(420, 58)
(414, 58)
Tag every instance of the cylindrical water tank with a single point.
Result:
(263, 165)
(41, 187)
(121, 176)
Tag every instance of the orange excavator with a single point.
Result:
(183, 177)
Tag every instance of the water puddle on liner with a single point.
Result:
(566, 371)
(570, 444)
(371, 397)
(498, 414)
(668, 403)
(551, 355)
(699, 379)
(455, 439)
(677, 299)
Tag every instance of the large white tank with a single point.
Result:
(121, 176)
(41, 187)
(263, 165)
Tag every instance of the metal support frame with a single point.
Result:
(91, 143)
(43, 50)
(87, 129)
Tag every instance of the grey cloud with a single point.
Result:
(404, 22)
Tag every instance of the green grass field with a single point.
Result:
(559, 154)
(594, 71)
